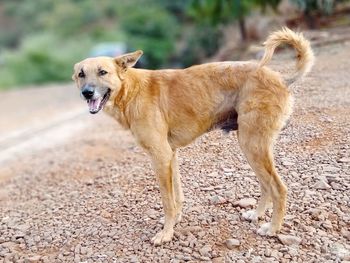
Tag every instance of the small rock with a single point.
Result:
(340, 251)
(83, 250)
(318, 214)
(287, 163)
(218, 260)
(344, 160)
(336, 186)
(327, 224)
(213, 174)
(187, 250)
(106, 214)
(34, 259)
(232, 243)
(77, 249)
(332, 178)
(134, 259)
(205, 251)
(267, 252)
(345, 233)
(216, 200)
(184, 243)
(330, 169)
(19, 234)
(228, 170)
(322, 185)
(77, 259)
(276, 254)
(152, 214)
(246, 202)
(257, 259)
(89, 181)
(289, 239)
(23, 227)
(209, 188)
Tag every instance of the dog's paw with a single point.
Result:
(266, 230)
(162, 237)
(250, 215)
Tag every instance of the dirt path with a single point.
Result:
(91, 196)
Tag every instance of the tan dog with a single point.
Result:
(167, 109)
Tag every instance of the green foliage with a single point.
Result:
(202, 41)
(212, 13)
(222, 11)
(153, 30)
(325, 6)
(49, 36)
(42, 58)
(312, 9)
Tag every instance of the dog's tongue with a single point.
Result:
(94, 105)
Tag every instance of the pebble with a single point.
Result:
(289, 239)
(216, 200)
(83, 250)
(322, 185)
(134, 259)
(344, 160)
(34, 259)
(345, 233)
(246, 202)
(288, 163)
(218, 260)
(77, 259)
(330, 169)
(340, 251)
(205, 251)
(232, 243)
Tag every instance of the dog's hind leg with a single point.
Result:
(256, 143)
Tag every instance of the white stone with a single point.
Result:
(289, 239)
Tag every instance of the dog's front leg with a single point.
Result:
(162, 161)
(179, 196)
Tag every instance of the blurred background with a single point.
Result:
(41, 40)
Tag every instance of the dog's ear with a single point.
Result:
(128, 60)
(74, 76)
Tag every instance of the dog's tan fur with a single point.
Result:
(168, 109)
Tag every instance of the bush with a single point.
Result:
(153, 30)
(41, 58)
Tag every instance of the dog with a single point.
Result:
(167, 109)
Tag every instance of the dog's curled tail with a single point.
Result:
(305, 56)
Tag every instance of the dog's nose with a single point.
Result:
(88, 92)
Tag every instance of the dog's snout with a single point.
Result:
(88, 92)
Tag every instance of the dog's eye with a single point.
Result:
(102, 72)
(81, 74)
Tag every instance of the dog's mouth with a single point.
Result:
(95, 105)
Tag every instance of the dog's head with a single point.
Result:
(97, 78)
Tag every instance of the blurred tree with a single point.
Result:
(223, 11)
(152, 29)
(313, 8)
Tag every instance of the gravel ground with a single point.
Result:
(94, 198)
